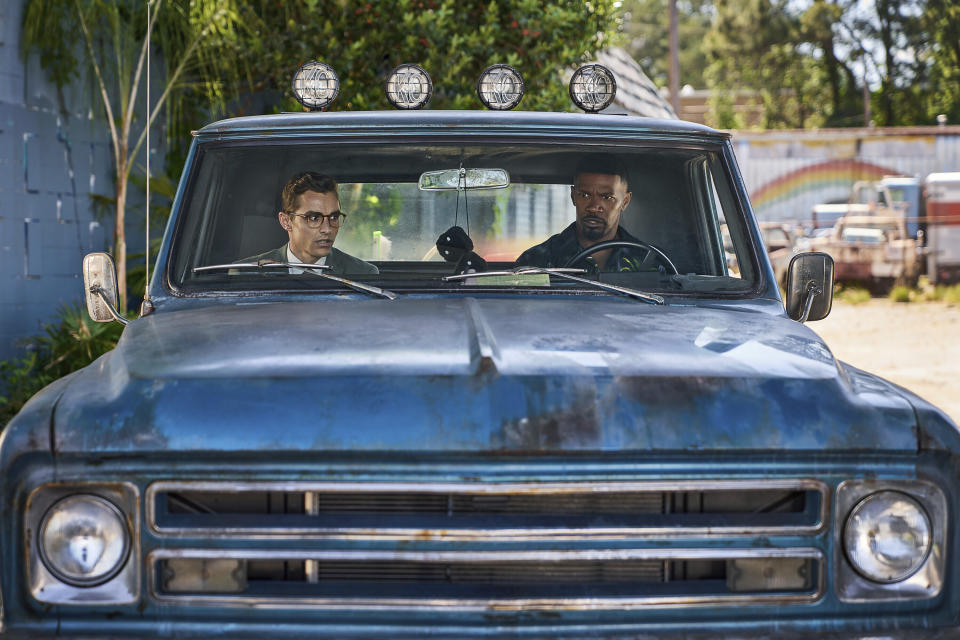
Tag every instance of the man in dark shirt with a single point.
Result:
(600, 194)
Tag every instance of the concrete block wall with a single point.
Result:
(50, 163)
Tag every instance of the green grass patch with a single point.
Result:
(850, 294)
(940, 293)
(949, 293)
(900, 293)
(68, 343)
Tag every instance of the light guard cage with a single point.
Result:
(500, 87)
(593, 87)
(315, 85)
(409, 87)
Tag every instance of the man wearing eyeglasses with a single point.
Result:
(311, 216)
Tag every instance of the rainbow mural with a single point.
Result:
(816, 177)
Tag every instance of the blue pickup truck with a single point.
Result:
(468, 374)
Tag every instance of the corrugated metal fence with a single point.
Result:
(787, 172)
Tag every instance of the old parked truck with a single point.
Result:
(942, 199)
(874, 250)
(874, 239)
(625, 438)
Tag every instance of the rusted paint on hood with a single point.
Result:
(569, 375)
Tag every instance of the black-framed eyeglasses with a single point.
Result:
(315, 220)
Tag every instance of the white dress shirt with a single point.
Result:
(294, 259)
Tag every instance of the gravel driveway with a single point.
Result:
(916, 345)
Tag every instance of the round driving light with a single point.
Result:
(500, 87)
(83, 540)
(887, 536)
(593, 87)
(315, 85)
(409, 87)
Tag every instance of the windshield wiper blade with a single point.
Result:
(317, 270)
(564, 273)
(359, 286)
(513, 272)
(263, 264)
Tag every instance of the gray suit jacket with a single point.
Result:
(339, 262)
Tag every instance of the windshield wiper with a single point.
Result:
(563, 273)
(316, 269)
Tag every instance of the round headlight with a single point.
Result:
(315, 85)
(500, 87)
(83, 540)
(409, 87)
(887, 536)
(593, 87)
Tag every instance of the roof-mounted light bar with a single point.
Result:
(315, 85)
(593, 87)
(500, 87)
(409, 87)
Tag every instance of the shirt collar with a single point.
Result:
(291, 257)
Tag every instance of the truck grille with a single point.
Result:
(452, 545)
(372, 510)
(622, 577)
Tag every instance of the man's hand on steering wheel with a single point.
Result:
(648, 249)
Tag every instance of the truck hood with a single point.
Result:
(518, 374)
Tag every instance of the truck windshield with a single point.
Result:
(364, 211)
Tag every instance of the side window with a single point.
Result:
(730, 260)
(716, 221)
(738, 245)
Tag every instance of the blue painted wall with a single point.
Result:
(50, 162)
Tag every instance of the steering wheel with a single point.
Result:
(639, 244)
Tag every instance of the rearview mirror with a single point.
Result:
(100, 288)
(810, 286)
(453, 179)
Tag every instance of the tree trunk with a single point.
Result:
(832, 64)
(120, 241)
(886, 11)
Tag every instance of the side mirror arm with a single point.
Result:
(813, 290)
(100, 292)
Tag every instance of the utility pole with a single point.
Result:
(674, 60)
(866, 100)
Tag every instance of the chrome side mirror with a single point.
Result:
(810, 286)
(100, 288)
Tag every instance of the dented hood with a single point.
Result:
(519, 374)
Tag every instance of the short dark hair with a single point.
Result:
(605, 164)
(303, 182)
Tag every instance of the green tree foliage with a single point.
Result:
(894, 46)
(941, 20)
(646, 25)
(818, 30)
(804, 63)
(751, 46)
(454, 40)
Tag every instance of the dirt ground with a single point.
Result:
(916, 345)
